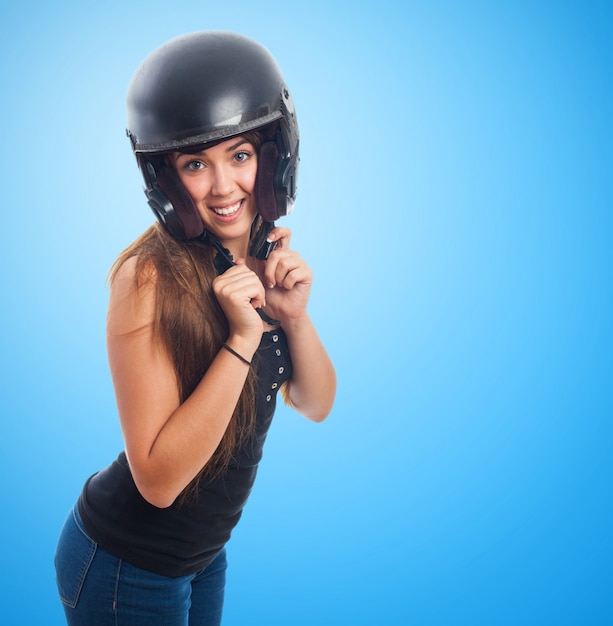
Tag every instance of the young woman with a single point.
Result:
(207, 321)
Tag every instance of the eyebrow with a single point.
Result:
(228, 149)
(236, 145)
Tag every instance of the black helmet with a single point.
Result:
(207, 87)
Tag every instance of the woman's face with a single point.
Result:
(220, 181)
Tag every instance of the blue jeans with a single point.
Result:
(99, 589)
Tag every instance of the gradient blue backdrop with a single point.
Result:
(455, 204)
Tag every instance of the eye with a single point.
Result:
(242, 155)
(193, 165)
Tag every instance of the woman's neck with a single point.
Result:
(238, 248)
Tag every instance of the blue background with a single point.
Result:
(455, 204)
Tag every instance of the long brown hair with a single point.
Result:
(190, 324)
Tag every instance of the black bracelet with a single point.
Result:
(236, 354)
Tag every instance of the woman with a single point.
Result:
(207, 321)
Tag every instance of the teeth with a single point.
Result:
(230, 210)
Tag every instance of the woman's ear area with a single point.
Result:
(264, 190)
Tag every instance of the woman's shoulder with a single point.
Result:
(132, 297)
(137, 269)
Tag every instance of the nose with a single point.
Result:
(223, 181)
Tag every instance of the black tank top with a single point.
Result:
(185, 537)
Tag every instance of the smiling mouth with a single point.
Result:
(227, 211)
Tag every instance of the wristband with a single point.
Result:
(236, 354)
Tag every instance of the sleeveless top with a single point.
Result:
(185, 537)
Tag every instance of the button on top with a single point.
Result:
(275, 337)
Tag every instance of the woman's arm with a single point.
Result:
(312, 387)
(288, 280)
(168, 443)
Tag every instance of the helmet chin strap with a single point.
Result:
(224, 261)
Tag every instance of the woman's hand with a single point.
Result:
(287, 278)
(239, 292)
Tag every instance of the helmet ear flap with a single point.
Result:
(264, 190)
(171, 203)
